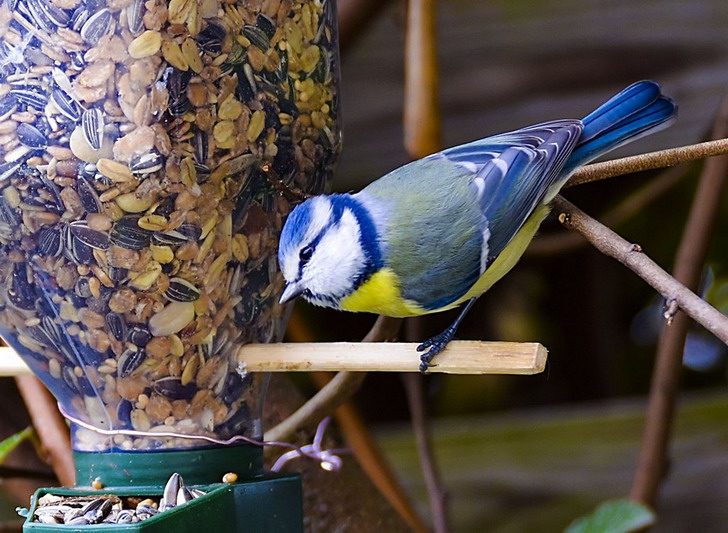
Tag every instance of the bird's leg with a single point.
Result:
(438, 343)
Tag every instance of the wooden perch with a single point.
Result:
(461, 357)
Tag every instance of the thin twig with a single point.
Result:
(422, 136)
(634, 203)
(631, 255)
(50, 427)
(373, 461)
(335, 392)
(436, 490)
(648, 161)
(689, 265)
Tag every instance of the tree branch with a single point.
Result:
(648, 161)
(562, 242)
(50, 427)
(336, 391)
(689, 266)
(630, 255)
(436, 489)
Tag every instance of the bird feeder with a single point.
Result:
(149, 151)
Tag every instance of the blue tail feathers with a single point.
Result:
(638, 110)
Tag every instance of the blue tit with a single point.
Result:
(440, 231)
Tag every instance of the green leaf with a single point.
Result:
(13, 441)
(614, 516)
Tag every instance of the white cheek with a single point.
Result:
(338, 259)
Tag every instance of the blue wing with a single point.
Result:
(516, 171)
(512, 174)
(490, 188)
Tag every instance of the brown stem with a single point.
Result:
(636, 202)
(689, 265)
(50, 427)
(335, 392)
(649, 161)
(332, 395)
(422, 134)
(630, 255)
(436, 490)
(421, 109)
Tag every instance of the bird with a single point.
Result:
(438, 232)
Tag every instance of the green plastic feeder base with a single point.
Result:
(270, 504)
(198, 466)
(258, 502)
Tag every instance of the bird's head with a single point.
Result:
(328, 247)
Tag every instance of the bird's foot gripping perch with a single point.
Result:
(435, 344)
(439, 342)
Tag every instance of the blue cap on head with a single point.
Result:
(295, 227)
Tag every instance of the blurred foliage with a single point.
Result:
(615, 516)
(12, 442)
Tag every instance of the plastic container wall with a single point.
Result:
(149, 151)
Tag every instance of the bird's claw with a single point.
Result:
(435, 344)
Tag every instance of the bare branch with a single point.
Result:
(689, 265)
(648, 161)
(50, 427)
(436, 490)
(335, 392)
(332, 395)
(630, 255)
(562, 242)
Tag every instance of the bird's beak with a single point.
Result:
(290, 292)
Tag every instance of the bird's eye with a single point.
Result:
(305, 254)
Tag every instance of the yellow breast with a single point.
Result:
(381, 294)
(507, 259)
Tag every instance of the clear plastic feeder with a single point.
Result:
(149, 151)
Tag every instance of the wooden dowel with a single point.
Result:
(461, 357)
(11, 364)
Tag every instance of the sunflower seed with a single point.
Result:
(127, 234)
(181, 290)
(88, 196)
(76, 250)
(92, 121)
(31, 98)
(88, 236)
(146, 163)
(66, 106)
(30, 136)
(130, 360)
(169, 238)
(139, 335)
(257, 36)
(50, 242)
(96, 26)
(192, 232)
(266, 25)
(46, 15)
(135, 16)
(79, 17)
(172, 388)
(117, 326)
(211, 38)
